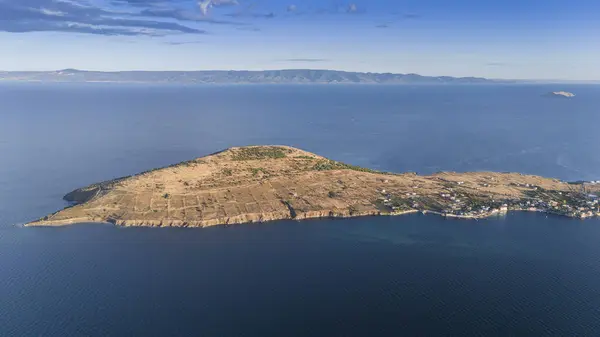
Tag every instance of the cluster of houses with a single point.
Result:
(533, 187)
(571, 204)
(386, 199)
(579, 206)
(458, 207)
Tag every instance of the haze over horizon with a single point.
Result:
(505, 40)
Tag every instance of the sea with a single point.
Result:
(523, 274)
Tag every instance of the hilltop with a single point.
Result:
(286, 76)
(262, 183)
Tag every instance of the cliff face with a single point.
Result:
(264, 183)
(246, 218)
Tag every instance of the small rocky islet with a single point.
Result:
(264, 183)
(563, 94)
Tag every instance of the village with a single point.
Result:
(458, 203)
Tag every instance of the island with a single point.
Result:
(283, 76)
(563, 94)
(264, 183)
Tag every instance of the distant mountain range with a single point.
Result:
(289, 76)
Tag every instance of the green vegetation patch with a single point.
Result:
(327, 165)
(256, 170)
(256, 153)
(187, 163)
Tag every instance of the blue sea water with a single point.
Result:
(523, 274)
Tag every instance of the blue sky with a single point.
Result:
(501, 39)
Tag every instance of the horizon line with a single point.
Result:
(297, 69)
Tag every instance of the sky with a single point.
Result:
(512, 39)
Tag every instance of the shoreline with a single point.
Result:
(331, 215)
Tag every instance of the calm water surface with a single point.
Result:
(524, 274)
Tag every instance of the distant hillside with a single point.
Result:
(290, 76)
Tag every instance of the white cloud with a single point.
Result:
(51, 12)
(77, 3)
(206, 5)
